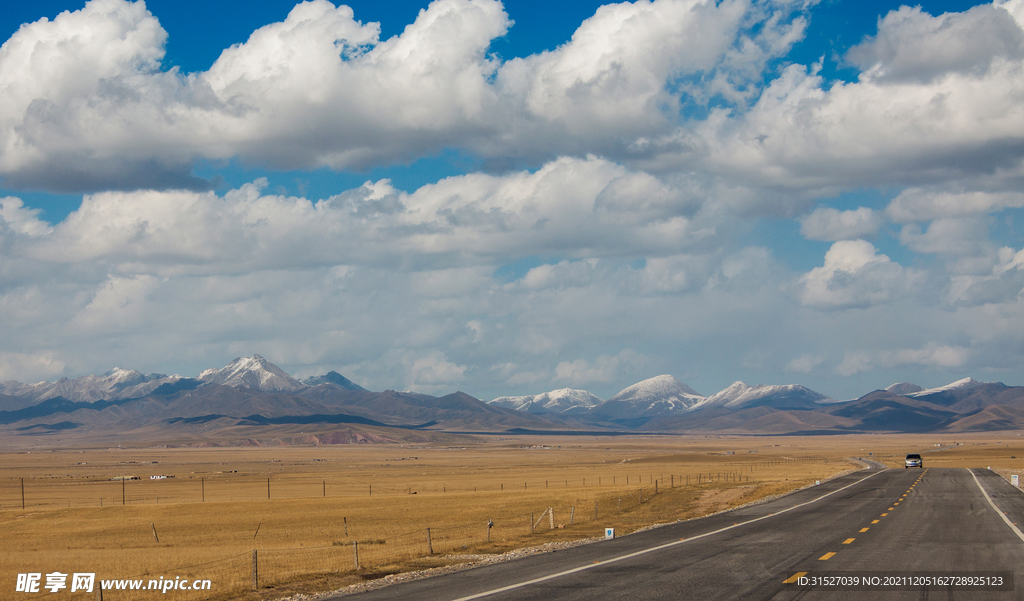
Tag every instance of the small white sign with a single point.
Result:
(609, 532)
(817, 482)
(1015, 480)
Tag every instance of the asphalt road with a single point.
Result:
(910, 532)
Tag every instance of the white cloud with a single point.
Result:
(959, 237)
(933, 355)
(638, 218)
(464, 219)
(30, 366)
(14, 216)
(435, 369)
(832, 225)
(946, 122)
(804, 363)
(119, 304)
(84, 104)
(855, 275)
(604, 369)
(913, 45)
(922, 204)
(1003, 284)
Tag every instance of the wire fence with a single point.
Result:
(262, 568)
(70, 492)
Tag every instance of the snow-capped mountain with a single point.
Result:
(903, 388)
(741, 395)
(115, 384)
(653, 397)
(252, 372)
(563, 400)
(964, 384)
(333, 377)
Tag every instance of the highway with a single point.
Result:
(875, 534)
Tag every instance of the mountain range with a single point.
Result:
(253, 401)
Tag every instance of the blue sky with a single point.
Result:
(513, 198)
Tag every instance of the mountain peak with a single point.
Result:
(740, 394)
(252, 372)
(657, 386)
(563, 400)
(962, 384)
(333, 377)
(658, 396)
(903, 388)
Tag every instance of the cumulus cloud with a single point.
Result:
(16, 217)
(832, 225)
(804, 363)
(435, 369)
(87, 106)
(460, 220)
(913, 45)
(959, 237)
(655, 138)
(959, 121)
(932, 355)
(374, 268)
(30, 366)
(855, 275)
(603, 369)
(924, 204)
(1003, 284)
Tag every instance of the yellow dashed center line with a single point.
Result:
(792, 579)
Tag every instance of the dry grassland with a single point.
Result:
(324, 499)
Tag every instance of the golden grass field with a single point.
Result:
(324, 499)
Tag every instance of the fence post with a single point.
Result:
(346, 527)
(203, 481)
(572, 514)
(430, 545)
(268, 488)
(23, 493)
(531, 522)
(551, 519)
(99, 591)
(155, 537)
(655, 487)
(355, 552)
(255, 572)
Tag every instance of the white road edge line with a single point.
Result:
(658, 548)
(992, 503)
